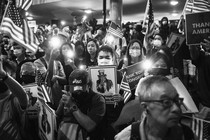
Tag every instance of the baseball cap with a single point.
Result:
(78, 78)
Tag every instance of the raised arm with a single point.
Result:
(14, 87)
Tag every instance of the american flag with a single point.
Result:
(24, 4)
(149, 18)
(124, 86)
(43, 91)
(18, 29)
(195, 6)
(115, 30)
(201, 128)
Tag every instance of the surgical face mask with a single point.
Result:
(135, 52)
(157, 43)
(164, 22)
(105, 62)
(105, 58)
(159, 71)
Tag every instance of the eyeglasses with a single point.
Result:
(168, 102)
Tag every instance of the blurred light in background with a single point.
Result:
(174, 2)
(63, 22)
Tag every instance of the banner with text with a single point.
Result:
(133, 74)
(197, 27)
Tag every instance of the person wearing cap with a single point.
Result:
(162, 112)
(80, 108)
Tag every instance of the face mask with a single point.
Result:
(135, 53)
(157, 43)
(105, 62)
(79, 96)
(164, 22)
(27, 79)
(17, 52)
(159, 71)
(3, 87)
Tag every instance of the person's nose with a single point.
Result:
(176, 108)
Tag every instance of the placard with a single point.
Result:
(175, 42)
(104, 81)
(189, 105)
(46, 122)
(134, 73)
(41, 92)
(197, 27)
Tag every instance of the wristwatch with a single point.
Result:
(73, 108)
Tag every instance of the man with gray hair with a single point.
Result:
(162, 113)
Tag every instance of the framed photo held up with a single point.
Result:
(175, 41)
(104, 79)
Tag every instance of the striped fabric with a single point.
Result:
(17, 27)
(23, 4)
(115, 30)
(126, 89)
(195, 6)
(201, 128)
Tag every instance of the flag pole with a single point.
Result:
(5, 12)
(145, 14)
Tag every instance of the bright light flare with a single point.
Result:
(110, 39)
(55, 42)
(174, 2)
(70, 54)
(63, 22)
(82, 67)
(147, 64)
(88, 11)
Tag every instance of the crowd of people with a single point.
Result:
(62, 62)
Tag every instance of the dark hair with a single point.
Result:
(143, 51)
(87, 53)
(106, 48)
(160, 55)
(80, 43)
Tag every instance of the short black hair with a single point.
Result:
(106, 48)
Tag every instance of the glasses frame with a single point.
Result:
(178, 102)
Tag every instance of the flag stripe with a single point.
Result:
(115, 30)
(197, 6)
(15, 32)
(126, 89)
(18, 28)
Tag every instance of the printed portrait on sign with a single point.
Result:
(103, 79)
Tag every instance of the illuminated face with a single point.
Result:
(160, 114)
(158, 41)
(18, 50)
(91, 47)
(134, 50)
(105, 58)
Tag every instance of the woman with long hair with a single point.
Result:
(92, 49)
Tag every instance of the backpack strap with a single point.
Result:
(135, 131)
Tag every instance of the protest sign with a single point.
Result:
(189, 105)
(104, 81)
(134, 73)
(46, 121)
(197, 27)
